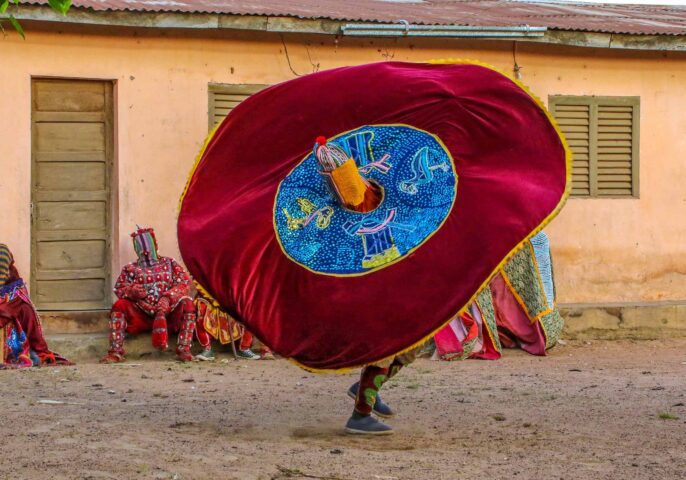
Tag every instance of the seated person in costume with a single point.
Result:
(154, 295)
(357, 194)
(21, 335)
(516, 309)
(213, 322)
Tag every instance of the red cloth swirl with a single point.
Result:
(512, 172)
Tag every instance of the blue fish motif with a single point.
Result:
(423, 173)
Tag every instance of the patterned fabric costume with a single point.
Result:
(215, 323)
(321, 249)
(154, 295)
(22, 343)
(517, 309)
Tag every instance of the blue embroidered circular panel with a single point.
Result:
(419, 182)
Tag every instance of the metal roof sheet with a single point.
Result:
(608, 18)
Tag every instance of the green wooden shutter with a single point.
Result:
(574, 121)
(603, 133)
(615, 152)
(224, 97)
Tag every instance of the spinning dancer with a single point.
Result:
(423, 179)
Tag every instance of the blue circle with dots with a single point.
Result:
(419, 182)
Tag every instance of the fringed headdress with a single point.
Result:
(145, 245)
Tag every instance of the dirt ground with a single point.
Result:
(605, 410)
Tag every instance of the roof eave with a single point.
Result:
(213, 21)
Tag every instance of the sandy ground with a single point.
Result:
(606, 410)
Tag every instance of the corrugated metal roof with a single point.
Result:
(608, 18)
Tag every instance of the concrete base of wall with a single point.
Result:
(94, 321)
(82, 336)
(637, 321)
(90, 347)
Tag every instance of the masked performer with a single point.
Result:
(21, 333)
(154, 295)
(517, 309)
(326, 211)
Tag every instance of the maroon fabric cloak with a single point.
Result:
(511, 166)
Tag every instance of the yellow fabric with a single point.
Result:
(2, 344)
(217, 323)
(349, 183)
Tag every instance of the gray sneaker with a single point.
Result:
(380, 407)
(366, 425)
(248, 354)
(205, 356)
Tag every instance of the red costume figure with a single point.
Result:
(21, 335)
(154, 295)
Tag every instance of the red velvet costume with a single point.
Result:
(20, 321)
(154, 295)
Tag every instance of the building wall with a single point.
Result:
(606, 251)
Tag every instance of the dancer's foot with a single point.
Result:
(380, 407)
(359, 424)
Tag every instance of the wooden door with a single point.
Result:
(72, 135)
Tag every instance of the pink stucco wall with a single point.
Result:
(606, 251)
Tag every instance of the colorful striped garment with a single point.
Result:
(5, 262)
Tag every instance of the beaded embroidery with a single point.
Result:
(418, 179)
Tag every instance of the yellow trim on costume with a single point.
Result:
(546, 221)
(2, 343)
(488, 328)
(206, 295)
(520, 301)
(410, 251)
(545, 334)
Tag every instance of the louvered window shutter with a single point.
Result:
(603, 133)
(224, 97)
(574, 121)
